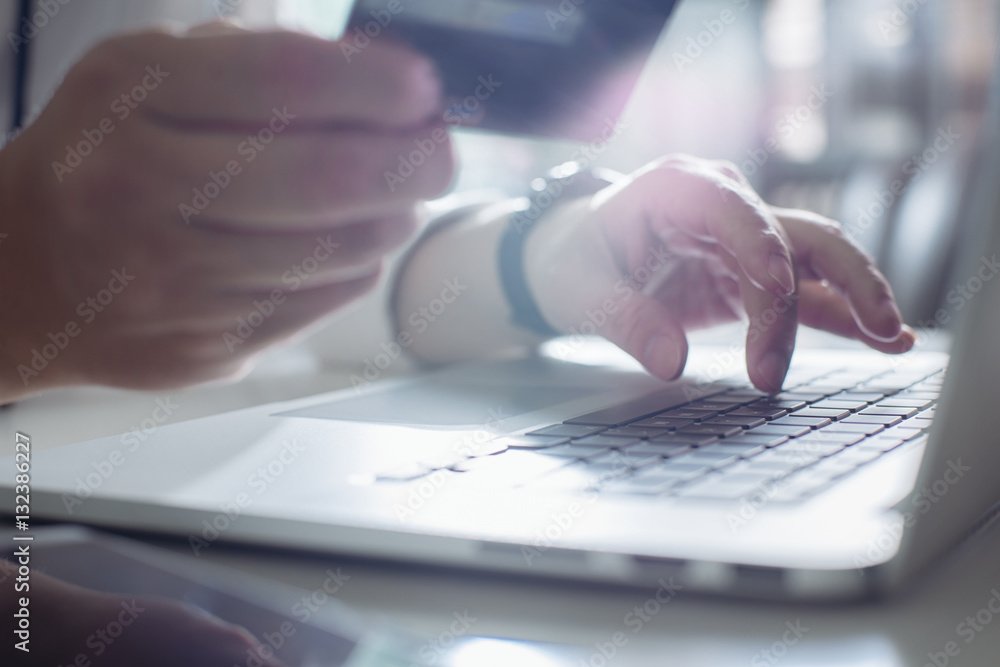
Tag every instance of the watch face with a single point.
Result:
(554, 68)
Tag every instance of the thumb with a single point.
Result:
(644, 328)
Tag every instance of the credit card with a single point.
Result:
(550, 68)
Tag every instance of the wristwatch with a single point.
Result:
(562, 184)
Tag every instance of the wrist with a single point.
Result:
(539, 247)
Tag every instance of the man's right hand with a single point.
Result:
(184, 201)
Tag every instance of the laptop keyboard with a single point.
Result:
(724, 445)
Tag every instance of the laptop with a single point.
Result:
(862, 472)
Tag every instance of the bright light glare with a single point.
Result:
(499, 653)
(793, 33)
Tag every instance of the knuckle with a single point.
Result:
(332, 178)
(404, 78)
(291, 62)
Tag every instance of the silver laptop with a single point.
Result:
(863, 471)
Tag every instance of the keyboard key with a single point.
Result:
(842, 427)
(719, 430)
(823, 436)
(652, 448)
(567, 430)
(899, 402)
(672, 471)
(885, 420)
(511, 468)
(881, 410)
(761, 411)
(881, 443)
(572, 451)
(867, 397)
(605, 441)
(807, 397)
(734, 398)
(810, 447)
(662, 422)
(703, 456)
(821, 413)
(776, 403)
(688, 413)
(529, 441)
(742, 450)
(919, 422)
(792, 420)
(737, 420)
(926, 395)
(832, 404)
(903, 431)
(618, 415)
(721, 486)
(753, 438)
(771, 428)
(627, 459)
(689, 439)
(720, 405)
(856, 456)
(640, 432)
(678, 468)
(640, 486)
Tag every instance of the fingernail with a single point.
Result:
(663, 357)
(909, 338)
(779, 268)
(893, 318)
(772, 369)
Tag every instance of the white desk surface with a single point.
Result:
(691, 631)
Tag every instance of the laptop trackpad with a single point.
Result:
(445, 402)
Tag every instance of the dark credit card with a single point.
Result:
(551, 68)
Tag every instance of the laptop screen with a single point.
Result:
(957, 485)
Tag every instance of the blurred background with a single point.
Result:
(866, 111)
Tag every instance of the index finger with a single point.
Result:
(243, 77)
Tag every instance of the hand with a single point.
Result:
(68, 622)
(686, 243)
(186, 200)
